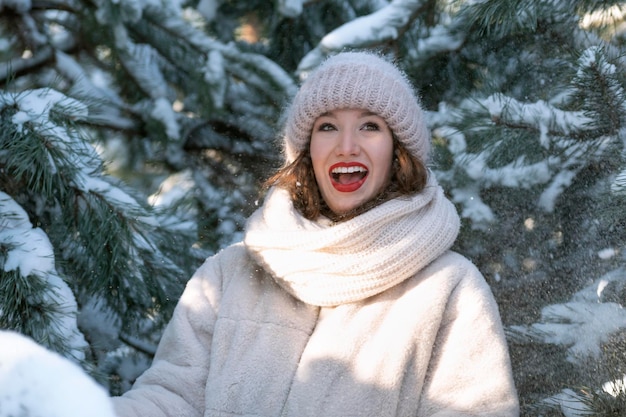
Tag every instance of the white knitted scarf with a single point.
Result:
(327, 264)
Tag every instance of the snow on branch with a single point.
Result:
(290, 8)
(619, 183)
(141, 62)
(541, 116)
(582, 324)
(381, 26)
(598, 83)
(33, 114)
(246, 65)
(441, 38)
(216, 60)
(561, 133)
(28, 252)
(106, 106)
(98, 210)
(81, 81)
(35, 106)
(474, 208)
(29, 248)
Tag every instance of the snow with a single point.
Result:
(33, 254)
(88, 184)
(591, 57)
(376, 28)
(607, 253)
(36, 382)
(164, 113)
(556, 171)
(35, 106)
(290, 8)
(215, 76)
(30, 253)
(585, 322)
(570, 403)
(559, 183)
(615, 387)
(103, 328)
(131, 10)
(541, 115)
(380, 25)
(72, 69)
(29, 249)
(473, 206)
(208, 9)
(581, 326)
(440, 39)
(173, 189)
(619, 184)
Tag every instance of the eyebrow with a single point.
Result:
(365, 113)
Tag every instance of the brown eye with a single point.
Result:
(371, 126)
(325, 127)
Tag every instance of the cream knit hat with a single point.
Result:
(357, 80)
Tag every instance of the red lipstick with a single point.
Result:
(347, 177)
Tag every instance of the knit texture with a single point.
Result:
(357, 80)
(325, 265)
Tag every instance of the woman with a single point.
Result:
(344, 298)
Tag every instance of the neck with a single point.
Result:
(384, 196)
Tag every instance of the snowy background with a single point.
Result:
(135, 135)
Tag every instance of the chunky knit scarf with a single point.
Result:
(327, 264)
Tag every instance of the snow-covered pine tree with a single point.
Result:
(529, 153)
(525, 101)
(104, 104)
(87, 265)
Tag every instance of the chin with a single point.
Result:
(342, 210)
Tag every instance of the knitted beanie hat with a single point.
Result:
(357, 80)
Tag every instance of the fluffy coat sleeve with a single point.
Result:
(469, 371)
(174, 384)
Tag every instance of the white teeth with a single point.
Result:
(348, 170)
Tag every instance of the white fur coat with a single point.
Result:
(263, 329)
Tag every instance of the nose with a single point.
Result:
(347, 144)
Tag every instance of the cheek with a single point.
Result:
(317, 159)
(386, 159)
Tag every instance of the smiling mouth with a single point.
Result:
(348, 178)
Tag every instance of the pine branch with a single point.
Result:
(618, 186)
(501, 18)
(21, 66)
(601, 92)
(34, 299)
(540, 117)
(105, 234)
(367, 31)
(139, 345)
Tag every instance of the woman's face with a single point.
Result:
(351, 151)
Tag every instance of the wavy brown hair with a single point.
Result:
(409, 176)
